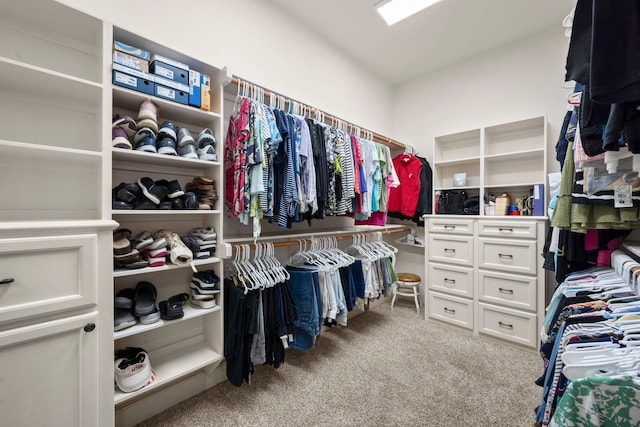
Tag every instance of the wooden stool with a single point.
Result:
(407, 286)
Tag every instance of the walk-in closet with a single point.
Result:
(285, 212)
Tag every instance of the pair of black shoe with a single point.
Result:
(147, 194)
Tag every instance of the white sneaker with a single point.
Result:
(132, 374)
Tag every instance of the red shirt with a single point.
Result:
(404, 198)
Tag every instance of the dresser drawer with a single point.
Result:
(508, 289)
(508, 255)
(457, 311)
(507, 324)
(46, 274)
(514, 228)
(454, 226)
(451, 279)
(451, 249)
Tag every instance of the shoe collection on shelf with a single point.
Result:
(147, 194)
(164, 196)
(167, 138)
(161, 248)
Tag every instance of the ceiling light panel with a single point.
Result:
(394, 11)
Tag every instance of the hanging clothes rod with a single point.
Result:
(234, 247)
(377, 136)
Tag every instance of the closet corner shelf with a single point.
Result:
(451, 188)
(512, 185)
(166, 267)
(189, 313)
(154, 159)
(171, 367)
(402, 241)
(130, 100)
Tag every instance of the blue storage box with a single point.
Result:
(172, 94)
(169, 72)
(130, 81)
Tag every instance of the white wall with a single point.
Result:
(517, 81)
(258, 41)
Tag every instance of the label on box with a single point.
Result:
(130, 61)
(165, 91)
(164, 72)
(170, 61)
(125, 79)
(172, 84)
(133, 71)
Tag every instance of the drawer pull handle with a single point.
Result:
(449, 310)
(89, 327)
(508, 230)
(506, 291)
(451, 281)
(453, 251)
(6, 281)
(505, 256)
(505, 325)
(449, 227)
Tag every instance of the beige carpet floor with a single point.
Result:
(387, 368)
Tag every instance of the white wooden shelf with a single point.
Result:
(166, 267)
(189, 313)
(460, 161)
(52, 152)
(519, 154)
(130, 100)
(171, 367)
(143, 157)
(165, 212)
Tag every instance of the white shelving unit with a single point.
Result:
(484, 273)
(506, 158)
(178, 348)
(55, 234)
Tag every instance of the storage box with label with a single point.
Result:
(205, 88)
(172, 94)
(195, 94)
(130, 61)
(133, 82)
(131, 50)
(170, 69)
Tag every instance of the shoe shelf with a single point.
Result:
(166, 267)
(173, 365)
(130, 100)
(143, 157)
(189, 313)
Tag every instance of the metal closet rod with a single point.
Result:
(267, 93)
(297, 242)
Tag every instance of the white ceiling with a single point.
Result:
(443, 34)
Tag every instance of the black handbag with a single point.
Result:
(471, 206)
(451, 202)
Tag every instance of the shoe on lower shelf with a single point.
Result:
(132, 372)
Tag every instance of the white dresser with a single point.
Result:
(485, 274)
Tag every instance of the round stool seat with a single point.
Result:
(408, 277)
(409, 282)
